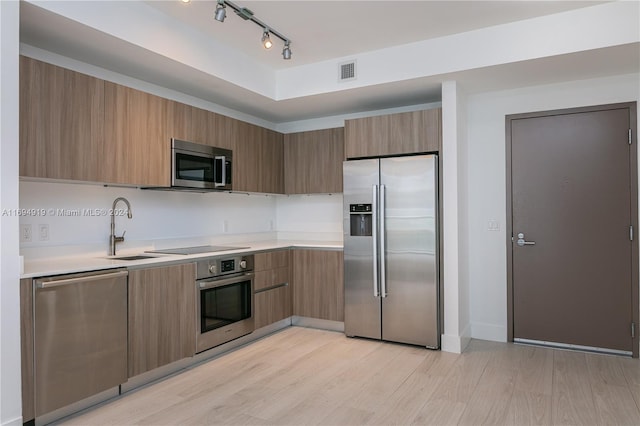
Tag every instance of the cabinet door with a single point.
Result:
(26, 346)
(313, 161)
(417, 131)
(187, 123)
(272, 305)
(162, 316)
(366, 137)
(318, 284)
(257, 160)
(61, 123)
(137, 144)
(395, 134)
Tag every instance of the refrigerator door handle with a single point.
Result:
(383, 275)
(374, 233)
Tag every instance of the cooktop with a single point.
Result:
(195, 250)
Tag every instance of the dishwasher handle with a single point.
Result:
(76, 280)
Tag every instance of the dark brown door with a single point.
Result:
(573, 200)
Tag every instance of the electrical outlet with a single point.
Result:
(225, 226)
(493, 225)
(25, 233)
(43, 232)
(271, 225)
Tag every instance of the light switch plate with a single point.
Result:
(43, 232)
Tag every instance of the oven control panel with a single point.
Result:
(223, 265)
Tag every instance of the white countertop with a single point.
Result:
(39, 267)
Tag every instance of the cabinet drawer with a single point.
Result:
(271, 260)
(270, 278)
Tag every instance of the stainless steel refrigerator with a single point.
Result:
(391, 249)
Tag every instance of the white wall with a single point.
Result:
(486, 182)
(10, 394)
(314, 217)
(157, 215)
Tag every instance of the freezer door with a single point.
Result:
(362, 306)
(409, 250)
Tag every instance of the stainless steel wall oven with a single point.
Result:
(224, 300)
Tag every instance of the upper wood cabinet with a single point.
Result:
(137, 144)
(257, 159)
(61, 123)
(162, 316)
(404, 133)
(313, 161)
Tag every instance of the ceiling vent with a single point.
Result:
(347, 71)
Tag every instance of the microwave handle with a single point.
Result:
(223, 161)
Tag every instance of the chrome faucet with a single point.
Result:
(112, 238)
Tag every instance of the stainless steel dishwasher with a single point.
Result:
(80, 337)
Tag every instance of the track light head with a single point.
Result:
(266, 40)
(286, 52)
(221, 11)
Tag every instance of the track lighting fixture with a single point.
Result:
(247, 15)
(266, 40)
(286, 52)
(221, 11)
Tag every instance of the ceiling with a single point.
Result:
(320, 31)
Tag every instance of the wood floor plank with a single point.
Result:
(529, 408)
(615, 405)
(572, 399)
(490, 400)
(606, 369)
(302, 376)
(535, 370)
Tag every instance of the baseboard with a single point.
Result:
(13, 422)
(492, 332)
(317, 323)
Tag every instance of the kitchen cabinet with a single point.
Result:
(162, 316)
(26, 348)
(137, 142)
(318, 284)
(61, 123)
(272, 289)
(188, 123)
(257, 159)
(313, 161)
(395, 134)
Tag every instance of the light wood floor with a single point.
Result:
(302, 376)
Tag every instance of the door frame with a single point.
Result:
(635, 260)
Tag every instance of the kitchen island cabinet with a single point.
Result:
(61, 123)
(318, 284)
(162, 316)
(272, 289)
(313, 161)
(395, 134)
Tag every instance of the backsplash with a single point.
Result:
(78, 215)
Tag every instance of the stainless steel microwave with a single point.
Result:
(200, 166)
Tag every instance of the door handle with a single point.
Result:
(521, 242)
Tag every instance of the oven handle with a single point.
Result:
(203, 285)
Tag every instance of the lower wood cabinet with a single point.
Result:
(162, 316)
(272, 289)
(318, 289)
(26, 347)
